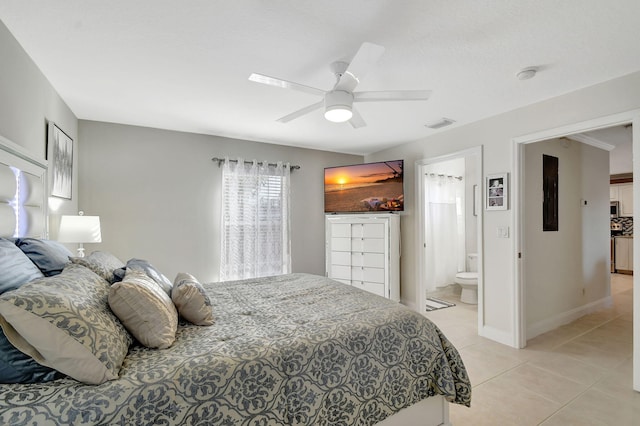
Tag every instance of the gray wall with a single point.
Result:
(496, 135)
(27, 102)
(157, 193)
(568, 268)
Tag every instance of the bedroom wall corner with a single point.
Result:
(27, 102)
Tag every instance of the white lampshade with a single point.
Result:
(80, 229)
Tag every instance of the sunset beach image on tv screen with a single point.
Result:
(364, 187)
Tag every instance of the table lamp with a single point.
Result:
(80, 229)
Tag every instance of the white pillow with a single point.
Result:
(144, 309)
(191, 300)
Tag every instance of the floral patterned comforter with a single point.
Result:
(294, 349)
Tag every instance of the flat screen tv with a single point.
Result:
(369, 187)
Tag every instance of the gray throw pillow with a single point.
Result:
(49, 256)
(190, 299)
(102, 263)
(149, 269)
(15, 267)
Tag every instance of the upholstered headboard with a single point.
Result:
(23, 198)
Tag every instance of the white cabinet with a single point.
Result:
(364, 251)
(613, 192)
(624, 254)
(625, 196)
(622, 192)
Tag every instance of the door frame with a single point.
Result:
(628, 117)
(420, 224)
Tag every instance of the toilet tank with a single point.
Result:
(472, 262)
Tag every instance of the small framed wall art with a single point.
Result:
(497, 191)
(60, 156)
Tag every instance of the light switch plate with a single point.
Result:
(503, 232)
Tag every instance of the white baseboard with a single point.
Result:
(563, 318)
(500, 336)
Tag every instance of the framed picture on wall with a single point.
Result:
(60, 156)
(497, 191)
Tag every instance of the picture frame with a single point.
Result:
(497, 191)
(60, 157)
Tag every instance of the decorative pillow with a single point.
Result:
(16, 367)
(144, 309)
(49, 256)
(149, 269)
(102, 263)
(64, 322)
(15, 267)
(191, 300)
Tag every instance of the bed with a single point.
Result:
(294, 349)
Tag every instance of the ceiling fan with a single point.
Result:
(338, 102)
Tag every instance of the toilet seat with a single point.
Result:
(467, 278)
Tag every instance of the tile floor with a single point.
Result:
(578, 374)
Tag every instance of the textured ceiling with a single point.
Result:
(184, 65)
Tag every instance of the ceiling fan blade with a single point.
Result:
(301, 112)
(272, 81)
(366, 57)
(392, 95)
(356, 120)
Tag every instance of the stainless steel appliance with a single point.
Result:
(616, 230)
(615, 208)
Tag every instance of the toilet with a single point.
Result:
(469, 280)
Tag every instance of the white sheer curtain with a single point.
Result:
(444, 218)
(255, 220)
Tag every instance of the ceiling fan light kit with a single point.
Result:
(338, 106)
(338, 102)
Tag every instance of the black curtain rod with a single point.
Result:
(221, 160)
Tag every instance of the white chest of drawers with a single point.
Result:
(364, 251)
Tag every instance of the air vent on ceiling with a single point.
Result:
(442, 122)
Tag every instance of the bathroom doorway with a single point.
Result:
(449, 222)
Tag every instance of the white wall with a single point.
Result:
(566, 270)
(157, 193)
(496, 135)
(27, 102)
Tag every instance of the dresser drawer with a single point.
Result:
(340, 272)
(341, 258)
(371, 245)
(375, 288)
(340, 244)
(375, 275)
(371, 260)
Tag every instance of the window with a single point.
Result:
(255, 220)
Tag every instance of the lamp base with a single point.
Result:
(80, 250)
